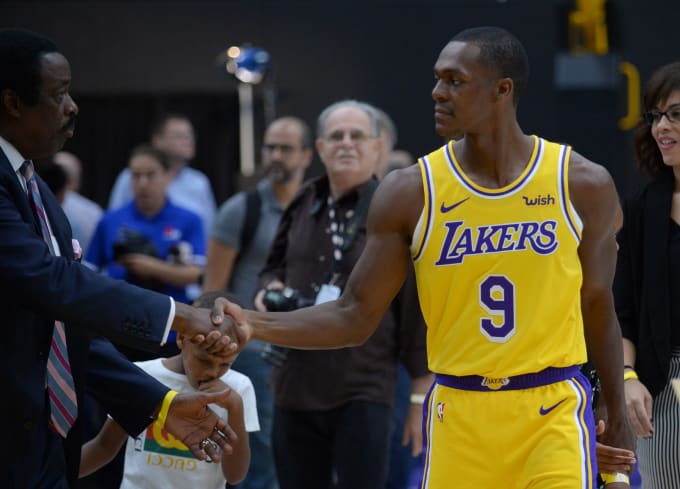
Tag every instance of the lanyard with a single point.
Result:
(344, 231)
(338, 236)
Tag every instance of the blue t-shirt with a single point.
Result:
(167, 229)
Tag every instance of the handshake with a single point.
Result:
(213, 329)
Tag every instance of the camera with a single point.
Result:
(281, 300)
(129, 241)
(286, 299)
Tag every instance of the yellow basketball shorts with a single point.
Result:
(535, 431)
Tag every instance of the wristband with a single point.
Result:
(417, 398)
(630, 374)
(628, 366)
(165, 407)
(615, 477)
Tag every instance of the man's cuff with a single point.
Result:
(168, 324)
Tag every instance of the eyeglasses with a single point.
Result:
(355, 136)
(653, 117)
(285, 149)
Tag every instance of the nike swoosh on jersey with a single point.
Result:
(543, 411)
(446, 209)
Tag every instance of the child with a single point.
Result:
(155, 459)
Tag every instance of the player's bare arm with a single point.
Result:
(594, 196)
(375, 280)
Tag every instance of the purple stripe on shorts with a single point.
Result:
(428, 413)
(589, 420)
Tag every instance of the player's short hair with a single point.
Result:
(501, 51)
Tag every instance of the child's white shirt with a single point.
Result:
(156, 460)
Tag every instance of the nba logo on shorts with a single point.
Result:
(440, 411)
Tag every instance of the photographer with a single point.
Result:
(333, 407)
(150, 242)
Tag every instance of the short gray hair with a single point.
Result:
(387, 126)
(363, 106)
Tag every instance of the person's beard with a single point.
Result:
(279, 173)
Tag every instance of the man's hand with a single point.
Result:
(216, 336)
(236, 324)
(610, 459)
(639, 406)
(191, 421)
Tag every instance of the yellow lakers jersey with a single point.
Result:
(498, 271)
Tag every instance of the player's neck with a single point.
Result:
(495, 160)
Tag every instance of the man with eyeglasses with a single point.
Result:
(237, 249)
(332, 410)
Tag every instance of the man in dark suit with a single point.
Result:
(54, 308)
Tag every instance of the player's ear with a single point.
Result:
(504, 88)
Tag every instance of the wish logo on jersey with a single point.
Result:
(461, 241)
(539, 200)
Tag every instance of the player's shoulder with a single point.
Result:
(398, 201)
(403, 179)
(585, 172)
(591, 187)
(403, 187)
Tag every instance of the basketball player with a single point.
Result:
(512, 238)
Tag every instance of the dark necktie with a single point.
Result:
(60, 387)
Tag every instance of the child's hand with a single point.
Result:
(232, 402)
(215, 385)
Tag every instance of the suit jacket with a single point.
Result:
(642, 282)
(35, 289)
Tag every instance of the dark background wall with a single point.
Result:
(132, 60)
